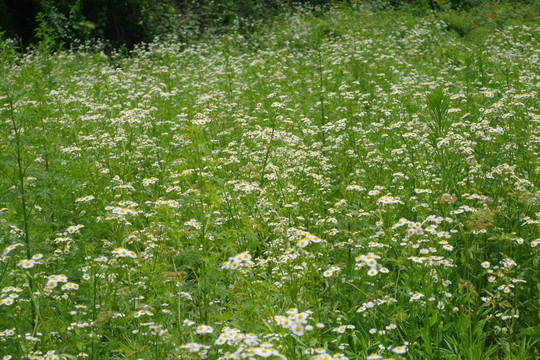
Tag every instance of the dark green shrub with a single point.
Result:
(128, 22)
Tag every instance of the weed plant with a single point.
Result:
(347, 185)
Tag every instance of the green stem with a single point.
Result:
(21, 184)
(268, 150)
(321, 97)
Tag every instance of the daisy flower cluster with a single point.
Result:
(121, 252)
(379, 169)
(370, 261)
(295, 321)
(239, 262)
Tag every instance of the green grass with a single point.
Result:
(345, 185)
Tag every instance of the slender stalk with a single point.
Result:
(23, 199)
(268, 149)
(321, 97)
(21, 172)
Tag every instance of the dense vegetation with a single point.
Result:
(346, 184)
(129, 22)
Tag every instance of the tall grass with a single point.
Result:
(348, 185)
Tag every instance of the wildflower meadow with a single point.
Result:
(340, 184)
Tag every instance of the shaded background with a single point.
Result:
(128, 22)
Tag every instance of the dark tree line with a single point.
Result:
(128, 22)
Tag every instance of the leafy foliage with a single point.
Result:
(340, 184)
(129, 22)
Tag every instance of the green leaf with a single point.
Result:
(533, 332)
(433, 319)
